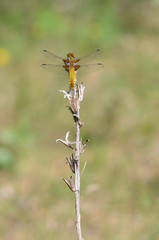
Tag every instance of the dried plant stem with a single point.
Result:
(75, 98)
(77, 177)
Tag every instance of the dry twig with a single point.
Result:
(75, 97)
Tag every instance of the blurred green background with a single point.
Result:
(119, 188)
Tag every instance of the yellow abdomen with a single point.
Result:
(71, 75)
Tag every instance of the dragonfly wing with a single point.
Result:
(91, 56)
(91, 67)
(52, 56)
(53, 67)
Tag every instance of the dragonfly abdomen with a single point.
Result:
(71, 75)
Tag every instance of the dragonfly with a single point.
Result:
(71, 64)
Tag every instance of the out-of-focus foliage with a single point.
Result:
(119, 195)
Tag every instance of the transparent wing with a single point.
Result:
(53, 68)
(91, 67)
(52, 56)
(91, 56)
(59, 68)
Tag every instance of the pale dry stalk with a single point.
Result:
(77, 177)
(74, 161)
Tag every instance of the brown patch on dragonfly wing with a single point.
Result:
(65, 60)
(76, 67)
(77, 60)
(66, 67)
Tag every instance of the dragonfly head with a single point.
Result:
(70, 56)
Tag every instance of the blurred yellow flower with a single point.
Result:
(4, 57)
